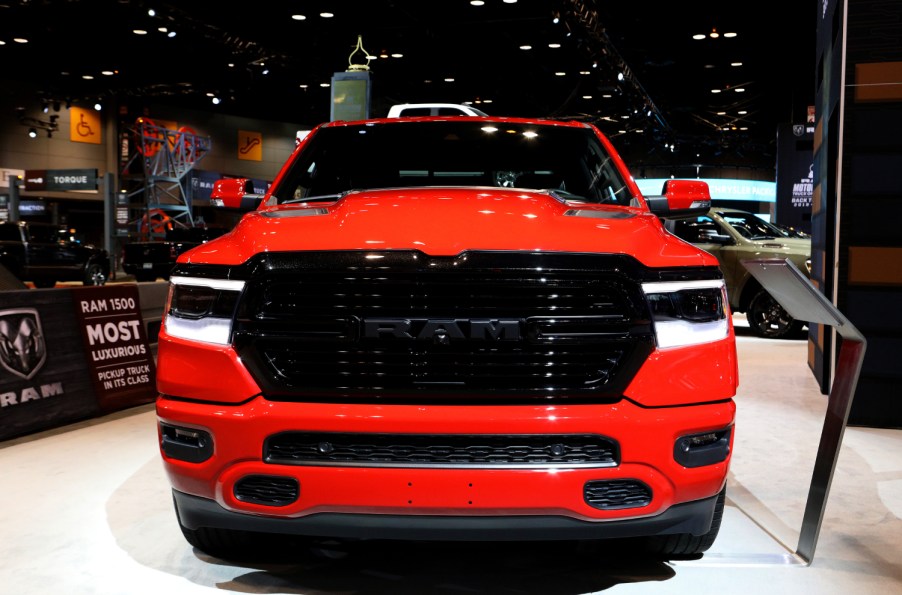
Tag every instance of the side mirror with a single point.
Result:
(235, 193)
(680, 198)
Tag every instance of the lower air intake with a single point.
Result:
(268, 490)
(616, 494)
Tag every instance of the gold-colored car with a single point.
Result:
(733, 235)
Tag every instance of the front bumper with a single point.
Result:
(689, 518)
(416, 501)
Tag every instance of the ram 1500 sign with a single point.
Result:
(461, 328)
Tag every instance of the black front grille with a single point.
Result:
(481, 327)
(437, 450)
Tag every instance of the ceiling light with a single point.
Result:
(560, 73)
(699, 36)
(216, 101)
(449, 80)
(735, 63)
(33, 133)
(713, 34)
(731, 34)
(739, 89)
(107, 72)
(742, 112)
(151, 12)
(477, 2)
(510, 1)
(20, 40)
(397, 55)
(525, 47)
(2, 42)
(139, 31)
(554, 45)
(619, 76)
(587, 97)
(715, 90)
(324, 85)
(298, 17)
(98, 106)
(171, 34)
(326, 15)
(87, 77)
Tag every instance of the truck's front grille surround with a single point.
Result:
(469, 451)
(480, 327)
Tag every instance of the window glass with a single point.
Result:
(567, 160)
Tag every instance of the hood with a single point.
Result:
(448, 221)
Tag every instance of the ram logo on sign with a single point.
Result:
(22, 347)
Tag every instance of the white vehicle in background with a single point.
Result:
(433, 109)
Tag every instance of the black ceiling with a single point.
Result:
(666, 92)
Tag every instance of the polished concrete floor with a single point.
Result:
(86, 509)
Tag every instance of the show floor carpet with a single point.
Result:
(87, 509)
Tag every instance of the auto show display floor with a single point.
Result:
(87, 509)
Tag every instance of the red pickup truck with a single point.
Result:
(449, 328)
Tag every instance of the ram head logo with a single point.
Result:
(22, 347)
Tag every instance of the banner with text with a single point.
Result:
(71, 354)
(116, 346)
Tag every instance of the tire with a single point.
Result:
(685, 544)
(769, 320)
(94, 274)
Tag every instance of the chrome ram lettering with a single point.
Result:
(442, 330)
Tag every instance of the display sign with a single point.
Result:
(250, 145)
(58, 366)
(795, 175)
(350, 96)
(85, 126)
(720, 188)
(60, 179)
(120, 362)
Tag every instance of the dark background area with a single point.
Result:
(265, 65)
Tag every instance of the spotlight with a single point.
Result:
(33, 133)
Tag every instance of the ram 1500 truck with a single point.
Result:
(461, 328)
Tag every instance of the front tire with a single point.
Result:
(769, 320)
(686, 544)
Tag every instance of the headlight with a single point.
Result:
(688, 312)
(200, 309)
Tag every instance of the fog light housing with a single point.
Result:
(185, 444)
(704, 448)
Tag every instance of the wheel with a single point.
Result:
(685, 544)
(44, 283)
(94, 274)
(769, 320)
(248, 546)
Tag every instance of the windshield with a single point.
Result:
(750, 226)
(567, 160)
